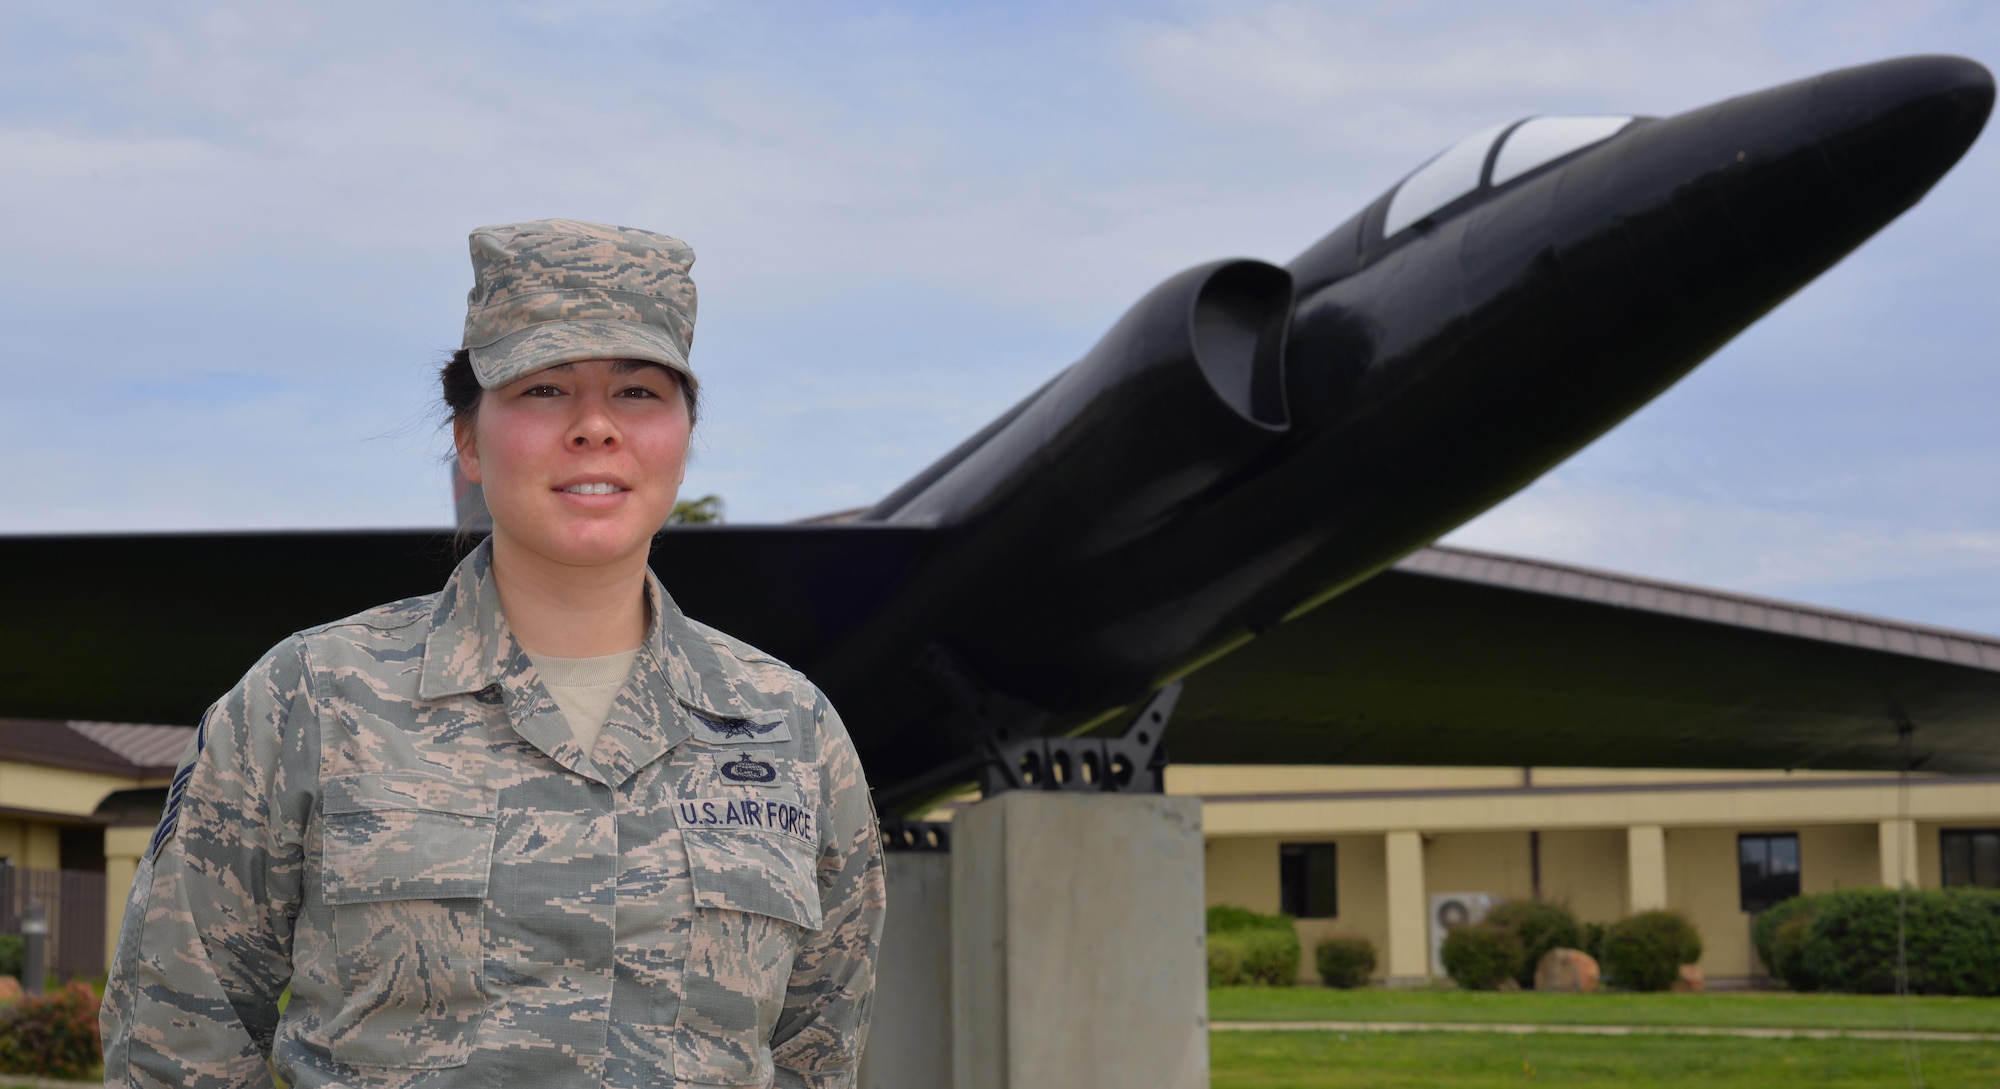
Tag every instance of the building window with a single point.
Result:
(1769, 868)
(1307, 888)
(1971, 857)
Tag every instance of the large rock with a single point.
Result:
(1691, 979)
(1570, 970)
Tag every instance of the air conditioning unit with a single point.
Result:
(1450, 909)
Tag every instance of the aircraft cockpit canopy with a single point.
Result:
(1493, 157)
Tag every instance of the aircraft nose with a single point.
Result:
(1838, 156)
(1899, 125)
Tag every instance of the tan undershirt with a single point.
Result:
(585, 689)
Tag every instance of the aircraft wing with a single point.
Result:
(1461, 657)
(155, 627)
(1451, 656)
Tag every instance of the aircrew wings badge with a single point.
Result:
(729, 732)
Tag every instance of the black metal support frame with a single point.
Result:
(911, 835)
(1135, 762)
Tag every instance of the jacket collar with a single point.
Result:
(471, 650)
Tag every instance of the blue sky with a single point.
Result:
(237, 251)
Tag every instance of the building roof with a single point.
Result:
(107, 748)
(1701, 603)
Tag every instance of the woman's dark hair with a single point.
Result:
(461, 389)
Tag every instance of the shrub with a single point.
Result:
(1225, 961)
(51, 1036)
(1224, 919)
(1541, 926)
(1763, 933)
(1268, 957)
(1482, 956)
(1593, 941)
(1787, 944)
(11, 955)
(1645, 952)
(1344, 962)
(1952, 937)
(1247, 947)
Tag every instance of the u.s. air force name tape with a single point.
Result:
(767, 814)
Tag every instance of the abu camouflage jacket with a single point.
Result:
(390, 816)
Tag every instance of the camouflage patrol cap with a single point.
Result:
(560, 290)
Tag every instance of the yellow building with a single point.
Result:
(1350, 850)
(1363, 851)
(78, 802)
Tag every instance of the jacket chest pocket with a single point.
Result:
(404, 866)
(756, 895)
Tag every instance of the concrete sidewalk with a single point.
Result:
(1606, 1030)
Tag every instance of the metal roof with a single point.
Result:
(107, 748)
(1700, 603)
(150, 747)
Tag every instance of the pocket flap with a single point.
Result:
(403, 790)
(742, 870)
(404, 837)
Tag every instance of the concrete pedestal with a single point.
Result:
(909, 1036)
(1077, 943)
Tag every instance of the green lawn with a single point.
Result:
(1282, 1060)
(1771, 1009)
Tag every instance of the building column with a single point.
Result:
(123, 847)
(1646, 867)
(1896, 847)
(1077, 942)
(1409, 913)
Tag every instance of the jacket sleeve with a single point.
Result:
(205, 948)
(820, 1033)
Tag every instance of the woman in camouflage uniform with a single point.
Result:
(539, 828)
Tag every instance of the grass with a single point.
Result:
(1753, 1009)
(1281, 1060)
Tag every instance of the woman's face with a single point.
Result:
(580, 462)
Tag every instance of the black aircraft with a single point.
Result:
(1237, 487)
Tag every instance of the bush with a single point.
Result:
(1482, 956)
(1593, 941)
(1540, 926)
(1645, 952)
(1786, 944)
(1344, 962)
(51, 1036)
(1267, 957)
(1247, 947)
(1271, 957)
(1224, 919)
(1847, 942)
(1763, 933)
(1225, 961)
(11, 955)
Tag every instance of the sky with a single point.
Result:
(236, 255)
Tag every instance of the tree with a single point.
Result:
(697, 512)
